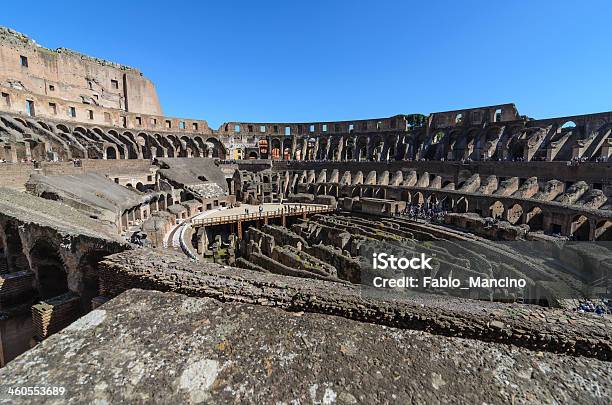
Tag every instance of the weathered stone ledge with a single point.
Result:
(532, 327)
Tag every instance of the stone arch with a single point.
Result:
(165, 142)
(191, 147)
(218, 150)
(311, 144)
(111, 152)
(63, 128)
(446, 203)
(322, 151)
(264, 147)
(567, 125)
(155, 142)
(433, 200)
(462, 205)
(486, 146)
(433, 145)
(15, 258)
(391, 143)
(602, 135)
(51, 274)
(349, 148)
(299, 146)
(406, 196)
(535, 219)
(202, 146)
(467, 144)
(376, 146)
(496, 210)
(332, 153)
(603, 231)
(418, 198)
(514, 213)
(276, 149)
(89, 271)
(144, 145)
(161, 202)
(179, 149)
(287, 144)
(361, 149)
(580, 228)
(185, 196)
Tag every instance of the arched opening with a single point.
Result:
(88, 267)
(276, 149)
(535, 219)
(462, 205)
(3, 258)
(496, 210)
(447, 204)
(161, 203)
(111, 153)
(348, 149)
(217, 149)
(50, 271)
(322, 151)
(418, 198)
(252, 155)
(432, 149)
(362, 149)
(580, 228)
(568, 125)
(497, 116)
(310, 149)
(263, 148)
(514, 214)
(186, 196)
(287, 149)
(169, 201)
(145, 147)
(376, 147)
(15, 258)
(140, 186)
(603, 232)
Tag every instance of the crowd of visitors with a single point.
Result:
(426, 212)
(599, 309)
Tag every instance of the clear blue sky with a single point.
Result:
(331, 60)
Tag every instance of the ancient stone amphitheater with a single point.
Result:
(146, 258)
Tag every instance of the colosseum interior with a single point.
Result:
(233, 264)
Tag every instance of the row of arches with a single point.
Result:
(551, 139)
(47, 141)
(538, 216)
(56, 269)
(497, 142)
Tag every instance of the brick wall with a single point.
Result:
(15, 175)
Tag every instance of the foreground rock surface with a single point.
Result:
(148, 346)
(528, 326)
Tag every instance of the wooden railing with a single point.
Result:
(291, 211)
